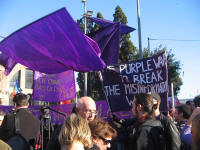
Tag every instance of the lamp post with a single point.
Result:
(149, 45)
(86, 14)
(139, 30)
(85, 28)
(85, 23)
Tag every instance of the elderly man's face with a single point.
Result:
(88, 111)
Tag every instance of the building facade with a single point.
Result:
(24, 78)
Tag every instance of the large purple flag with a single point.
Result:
(54, 87)
(108, 39)
(7, 62)
(53, 44)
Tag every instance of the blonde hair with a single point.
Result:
(75, 128)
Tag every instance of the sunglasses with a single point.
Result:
(105, 140)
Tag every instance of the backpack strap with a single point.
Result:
(17, 123)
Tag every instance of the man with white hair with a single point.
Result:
(86, 108)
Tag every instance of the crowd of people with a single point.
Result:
(149, 129)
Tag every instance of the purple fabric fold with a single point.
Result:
(53, 44)
(124, 29)
(7, 62)
(108, 39)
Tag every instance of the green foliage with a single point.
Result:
(119, 16)
(96, 26)
(173, 73)
(80, 80)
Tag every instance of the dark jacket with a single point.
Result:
(172, 136)
(148, 136)
(29, 125)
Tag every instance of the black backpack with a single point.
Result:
(18, 142)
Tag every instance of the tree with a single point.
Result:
(126, 46)
(174, 68)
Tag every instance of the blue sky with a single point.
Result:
(160, 19)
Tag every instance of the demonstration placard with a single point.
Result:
(122, 82)
(54, 87)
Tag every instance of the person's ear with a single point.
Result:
(181, 114)
(139, 108)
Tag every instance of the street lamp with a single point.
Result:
(84, 2)
(88, 14)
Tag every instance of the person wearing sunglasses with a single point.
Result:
(102, 133)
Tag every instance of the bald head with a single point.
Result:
(86, 107)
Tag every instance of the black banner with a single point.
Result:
(122, 82)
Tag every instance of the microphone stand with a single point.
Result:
(59, 112)
(45, 118)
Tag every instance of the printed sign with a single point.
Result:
(54, 87)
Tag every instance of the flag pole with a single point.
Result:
(173, 101)
(139, 29)
(85, 31)
(149, 45)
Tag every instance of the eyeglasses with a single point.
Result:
(88, 112)
(106, 142)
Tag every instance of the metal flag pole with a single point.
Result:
(173, 102)
(85, 31)
(139, 29)
(149, 45)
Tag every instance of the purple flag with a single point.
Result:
(53, 44)
(124, 29)
(108, 39)
(54, 87)
(7, 62)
